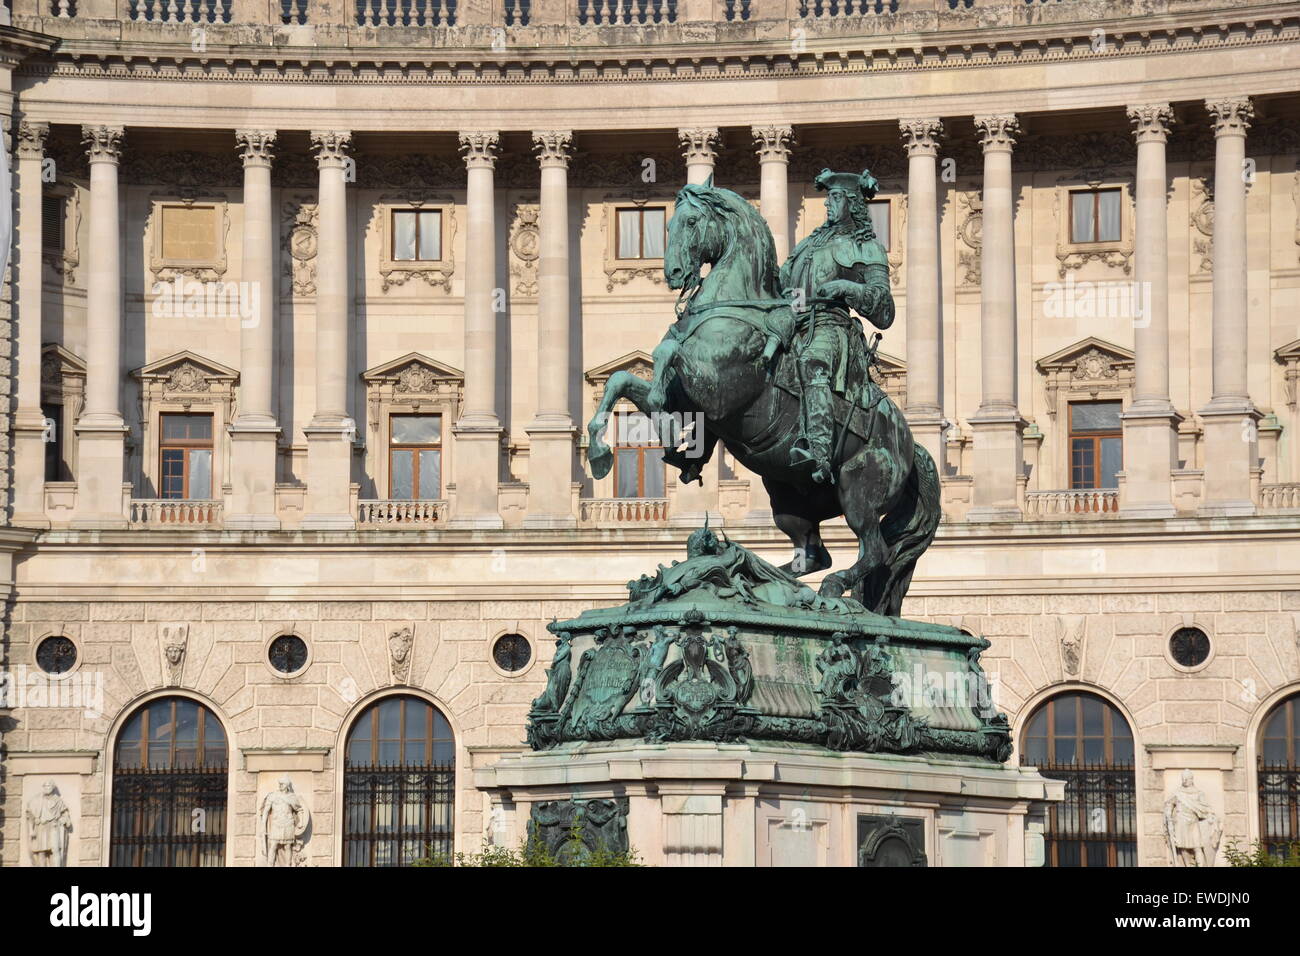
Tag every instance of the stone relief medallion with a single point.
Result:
(186, 378)
(300, 242)
(525, 242)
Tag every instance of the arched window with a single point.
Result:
(1084, 740)
(169, 787)
(399, 784)
(1279, 776)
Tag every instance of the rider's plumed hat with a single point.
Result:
(865, 184)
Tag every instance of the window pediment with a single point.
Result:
(186, 373)
(1091, 367)
(639, 363)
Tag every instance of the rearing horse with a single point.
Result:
(711, 362)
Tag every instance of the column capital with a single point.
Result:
(772, 143)
(1151, 122)
(1231, 116)
(998, 131)
(30, 141)
(258, 146)
(921, 136)
(554, 147)
(698, 144)
(103, 143)
(481, 148)
(331, 146)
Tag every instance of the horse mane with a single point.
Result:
(748, 232)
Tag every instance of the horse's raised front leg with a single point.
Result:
(621, 384)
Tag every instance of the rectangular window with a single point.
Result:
(53, 441)
(185, 456)
(52, 224)
(879, 210)
(417, 235)
(414, 457)
(1094, 215)
(638, 457)
(1096, 445)
(641, 232)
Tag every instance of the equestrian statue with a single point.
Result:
(777, 363)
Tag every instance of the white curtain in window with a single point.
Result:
(404, 235)
(1109, 225)
(653, 245)
(629, 234)
(201, 473)
(1081, 217)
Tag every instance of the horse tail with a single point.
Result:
(908, 531)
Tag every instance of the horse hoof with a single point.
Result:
(831, 588)
(601, 462)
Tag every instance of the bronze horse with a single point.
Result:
(711, 362)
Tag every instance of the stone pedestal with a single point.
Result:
(756, 804)
(252, 458)
(329, 463)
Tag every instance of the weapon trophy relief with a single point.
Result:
(772, 362)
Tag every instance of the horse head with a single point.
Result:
(710, 225)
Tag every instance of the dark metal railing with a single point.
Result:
(1279, 806)
(169, 817)
(1096, 823)
(393, 816)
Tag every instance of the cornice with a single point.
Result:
(1037, 43)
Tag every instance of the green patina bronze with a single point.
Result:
(725, 646)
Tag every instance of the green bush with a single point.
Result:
(533, 852)
(1259, 855)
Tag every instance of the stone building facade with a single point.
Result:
(308, 312)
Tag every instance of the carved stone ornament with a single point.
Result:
(257, 146)
(921, 136)
(283, 819)
(525, 242)
(103, 143)
(174, 639)
(49, 822)
(699, 144)
(400, 644)
(970, 231)
(772, 143)
(1089, 369)
(299, 240)
(1192, 828)
(1070, 634)
(1202, 220)
(480, 148)
(163, 266)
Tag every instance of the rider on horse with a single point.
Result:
(840, 267)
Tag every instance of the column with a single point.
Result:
(101, 433)
(773, 146)
(478, 433)
(924, 337)
(997, 426)
(254, 432)
(1229, 420)
(699, 147)
(551, 433)
(694, 502)
(1150, 422)
(29, 424)
(331, 432)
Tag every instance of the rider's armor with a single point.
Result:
(832, 353)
